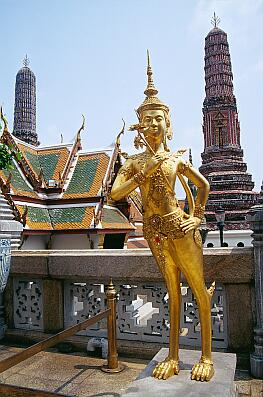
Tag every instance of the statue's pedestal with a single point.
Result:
(221, 385)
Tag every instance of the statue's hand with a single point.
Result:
(153, 163)
(190, 224)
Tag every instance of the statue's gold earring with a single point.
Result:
(169, 133)
(165, 141)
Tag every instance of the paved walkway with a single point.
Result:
(80, 376)
(68, 374)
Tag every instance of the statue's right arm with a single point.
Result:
(124, 183)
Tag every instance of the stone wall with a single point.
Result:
(50, 290)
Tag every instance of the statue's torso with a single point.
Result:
(157, 196)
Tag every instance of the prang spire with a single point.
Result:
(25, 105)
(222, 159)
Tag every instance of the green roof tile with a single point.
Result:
(39, 215)
(33, 159)
(17, 181)
(48, 163)
(66, 215)
(83, 176)
(110, 215)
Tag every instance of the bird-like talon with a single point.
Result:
(166, 368)
(203, 371)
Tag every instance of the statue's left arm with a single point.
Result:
(203, 188)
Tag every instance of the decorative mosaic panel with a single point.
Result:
(143, 312)
(28, 304)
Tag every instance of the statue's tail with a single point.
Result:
(212, 289)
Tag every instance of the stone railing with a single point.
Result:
(50, 290)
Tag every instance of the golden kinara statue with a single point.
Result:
(172, 235)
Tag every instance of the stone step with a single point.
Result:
(4, 211)
(6, 216)
(181, 385)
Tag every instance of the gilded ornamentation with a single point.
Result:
(199, 211)
(158, 191)
(198, 238)
(126, 172)
(185, 167)
(168, 225)
(140, 158)
(172, 234)
(138, 142)
(139, 178)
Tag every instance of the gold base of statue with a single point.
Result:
(121, 367)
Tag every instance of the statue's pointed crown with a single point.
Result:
(151, 101)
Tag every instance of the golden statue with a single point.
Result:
(172, 235)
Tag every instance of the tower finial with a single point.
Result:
(150, 89)
(26, 61)
(215, 21)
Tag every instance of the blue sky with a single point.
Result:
(89, 56)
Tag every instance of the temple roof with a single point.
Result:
(88, 174)
(51, 160)
(63, 188)
(73, 218)
(18, 184)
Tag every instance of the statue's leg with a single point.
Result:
(171, 274)
(189, 257)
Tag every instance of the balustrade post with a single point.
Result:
(113, 365)
(255, 218)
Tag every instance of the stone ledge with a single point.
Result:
(221, 385)
(224, 265)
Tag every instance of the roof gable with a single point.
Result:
(87, 176)
(50, 161)
(17, 183)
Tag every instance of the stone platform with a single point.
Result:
(221, 385)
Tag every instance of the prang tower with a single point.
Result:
(222, 159)
(25, 105)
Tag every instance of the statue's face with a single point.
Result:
(155, 124)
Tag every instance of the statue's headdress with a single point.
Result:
(152, 101)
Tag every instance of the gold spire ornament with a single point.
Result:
(172, 235)
(151, 101)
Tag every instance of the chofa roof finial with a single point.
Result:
(3, 118)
